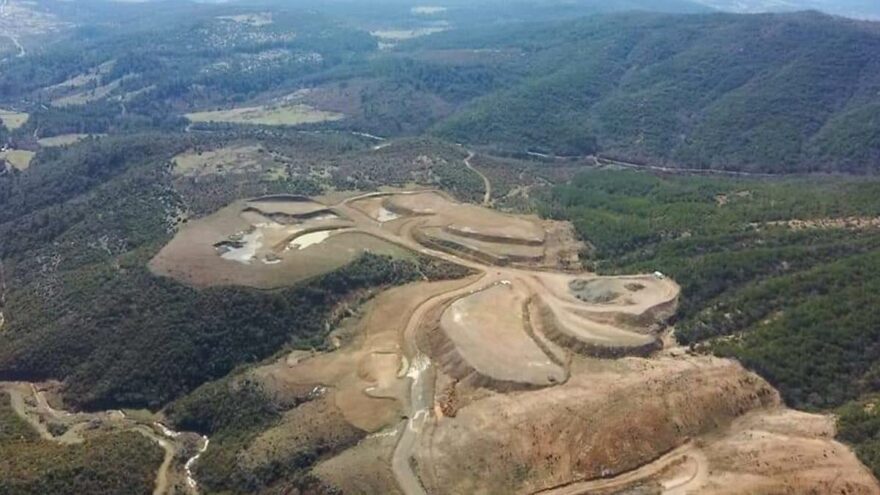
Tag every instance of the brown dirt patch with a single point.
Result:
(366, 373)
(469, 220)
(596, 425)
(242, 245)
(364, 468)
(487, 334)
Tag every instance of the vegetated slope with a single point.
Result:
(780, 93)
(859, 9)
(123, 463)
(780, 274)
(133, 66)
(146, 72)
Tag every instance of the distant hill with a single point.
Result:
(772, 92)
(795, 92)
(859, 9)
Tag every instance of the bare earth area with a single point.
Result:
(280, 114)
(530, 376)
(12, 120)
(19, 159)
(266, 243)
(62, 140)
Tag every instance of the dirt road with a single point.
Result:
(487, 196)
(2, 296)
(31, 404)
(421, 397)
(692, 464)
(420, 369)
(161, 487)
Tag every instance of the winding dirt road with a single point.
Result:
(487, 196)
(692, 463)
(31, 404)
(420, 369)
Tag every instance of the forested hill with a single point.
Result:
(797, 92)
(781, 93)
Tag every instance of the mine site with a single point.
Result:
(530, 375)
(471, 247)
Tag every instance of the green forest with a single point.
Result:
(758, 93)
(770, 93)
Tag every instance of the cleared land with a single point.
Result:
(392, 35)
(481, 234)
(267, 115)
(611, 425)
(90, 95)
(288, 205)
(428, 10)
(62, 140)
(365, 373)
(20, 159)
(244, 244)
(487, 332)
(83, 79)
(13, 120)
(231, 159)
(255, 20)
(469, 220)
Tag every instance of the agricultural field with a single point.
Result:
(273, 115)
(12, 120)
(20, 159)
(62, 140)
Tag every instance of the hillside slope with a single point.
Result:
(780, 93)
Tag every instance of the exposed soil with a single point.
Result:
(521, 379)
(265, 244)
(485, 334)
